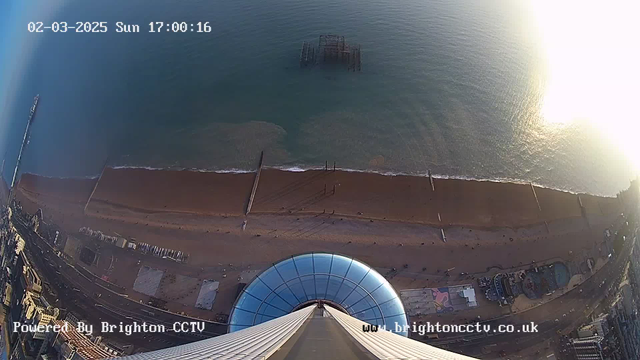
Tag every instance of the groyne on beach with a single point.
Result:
(404, 198)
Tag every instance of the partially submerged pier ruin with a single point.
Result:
(332, 49)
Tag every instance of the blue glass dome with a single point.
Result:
(343, 282)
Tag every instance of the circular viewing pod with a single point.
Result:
(339, 281)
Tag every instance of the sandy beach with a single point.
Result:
(411, 199)
(481, 204)
(385, 221)
(75, 191)
(174, 191)
(495, 221)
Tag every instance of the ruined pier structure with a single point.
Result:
(332, 49)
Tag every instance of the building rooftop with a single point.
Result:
(78, 341)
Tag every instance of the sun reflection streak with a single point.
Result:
(592, 59)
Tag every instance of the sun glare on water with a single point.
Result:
(592, 59)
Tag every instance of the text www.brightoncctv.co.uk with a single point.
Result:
(438, 328)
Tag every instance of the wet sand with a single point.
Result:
(174, 191)
(57, 189)
(481, 204)
(411, 199)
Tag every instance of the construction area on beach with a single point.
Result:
(332, 49)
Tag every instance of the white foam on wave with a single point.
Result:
(435, 176)
(120, 167)
(297, 168)
(218, 171)
(85, 177)
(230, 171)
(294, 168)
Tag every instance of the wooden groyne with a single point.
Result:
(255, 184)
(533, 189)
(583, 211)
(95, 186)
(433, 187)
(478, 204)
(535, 196)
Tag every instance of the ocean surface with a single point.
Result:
(451, 86)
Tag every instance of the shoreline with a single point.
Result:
(302, 169)
(211, 240)
(352, 194)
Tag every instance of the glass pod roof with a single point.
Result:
(348, 284)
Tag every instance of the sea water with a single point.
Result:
(448, 86)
